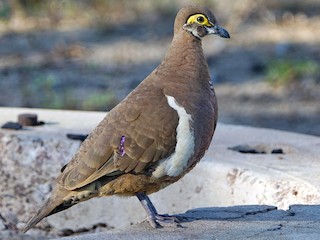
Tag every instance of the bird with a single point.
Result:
(153, 137)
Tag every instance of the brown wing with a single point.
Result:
(149, 131)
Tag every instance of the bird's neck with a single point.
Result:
(185, 50)
(185, 68)
(185, 59)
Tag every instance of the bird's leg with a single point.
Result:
(153, 217)
(150, 209)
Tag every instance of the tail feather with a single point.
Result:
(60, 200)
(48, 208)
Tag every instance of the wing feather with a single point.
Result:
(149, 137)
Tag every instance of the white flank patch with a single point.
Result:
(177, 162)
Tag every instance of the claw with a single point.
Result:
(153, 217)
(167, 219)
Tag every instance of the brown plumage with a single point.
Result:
(155, 135)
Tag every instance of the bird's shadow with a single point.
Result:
(251, 213)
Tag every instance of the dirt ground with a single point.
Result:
(76, 65)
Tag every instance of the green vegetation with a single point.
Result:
(43, 86)
(5, 11)
(99, 101)
(285, 71)
(45, 92)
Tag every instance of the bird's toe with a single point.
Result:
(166, 219)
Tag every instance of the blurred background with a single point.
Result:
(88, 55)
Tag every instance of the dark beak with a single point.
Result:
(216, 29)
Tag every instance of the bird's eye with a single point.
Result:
(200, 19)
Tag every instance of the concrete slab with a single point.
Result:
(243, 165)
(239, 222)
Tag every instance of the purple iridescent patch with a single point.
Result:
(122, 151)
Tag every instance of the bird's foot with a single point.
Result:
(154, 218)
(164, 220)
(168, 220)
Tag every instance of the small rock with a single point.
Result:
(28, 119)
(247, 149)
(12, 125)
(80, 137)
(277, 151)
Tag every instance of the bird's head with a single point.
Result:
(199, 22)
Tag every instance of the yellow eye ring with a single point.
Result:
(200, 19)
